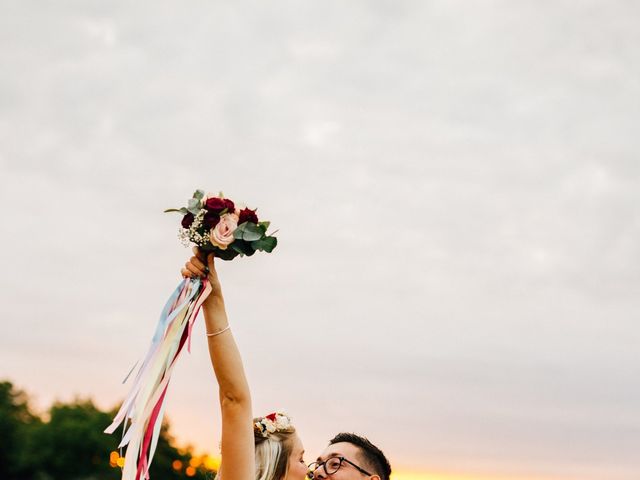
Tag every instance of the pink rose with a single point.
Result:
(222, 234)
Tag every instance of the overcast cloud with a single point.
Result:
(456, 187)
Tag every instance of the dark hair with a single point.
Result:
(371, 455)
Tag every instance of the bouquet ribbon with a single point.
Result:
(143, 407)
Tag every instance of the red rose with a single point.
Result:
(247, 215)
(187, 220)
(217, 205)
(271, 416)
(210, 219)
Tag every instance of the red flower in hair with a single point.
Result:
(271, 416)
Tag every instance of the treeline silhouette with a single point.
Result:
(67, 443)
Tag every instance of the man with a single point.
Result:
(350, 457)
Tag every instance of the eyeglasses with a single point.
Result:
(331, 466)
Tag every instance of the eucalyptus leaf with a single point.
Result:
(266, 244)
(241, 246)
(239, 231)
(199, 194)
(193, 206)
(251, 232)
(237, 234)
(228, 254)
(236, 246)
(265, 225)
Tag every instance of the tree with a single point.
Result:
(71, 445)
(16, 424)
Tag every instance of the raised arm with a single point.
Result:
(235, 397)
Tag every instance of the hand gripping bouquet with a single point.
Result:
(215, 225)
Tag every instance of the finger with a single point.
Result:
(198, 263)
(210, 262)
(193, 269)
(198, 253)
(186, 273)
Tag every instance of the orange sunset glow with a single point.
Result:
(412, 475)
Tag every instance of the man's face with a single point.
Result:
(346, 470)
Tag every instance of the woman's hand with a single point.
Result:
(196, 267)
(215, 315)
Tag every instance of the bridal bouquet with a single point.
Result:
(215, 225)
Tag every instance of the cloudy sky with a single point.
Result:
(456, 187)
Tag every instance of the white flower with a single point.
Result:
(283, 422)
(271, 426)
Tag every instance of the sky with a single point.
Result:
(456, 188)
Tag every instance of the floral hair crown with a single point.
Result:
(276, 422)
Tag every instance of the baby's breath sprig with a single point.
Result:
(194, 233)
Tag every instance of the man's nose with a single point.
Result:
(318, 473)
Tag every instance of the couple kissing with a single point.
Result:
(268, 448)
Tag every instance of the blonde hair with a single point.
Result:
(272, 452)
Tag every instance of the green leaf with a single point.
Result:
(266, 244)
(251, 232)
(182, 210)
(193, 206)
(228, 254)
(243, 248)
(199, 194)
(248, 231)
(265, 225)
(237, 247)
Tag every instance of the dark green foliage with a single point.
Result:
(71, 445)
(17, 423)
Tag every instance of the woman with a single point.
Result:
(265, 448)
